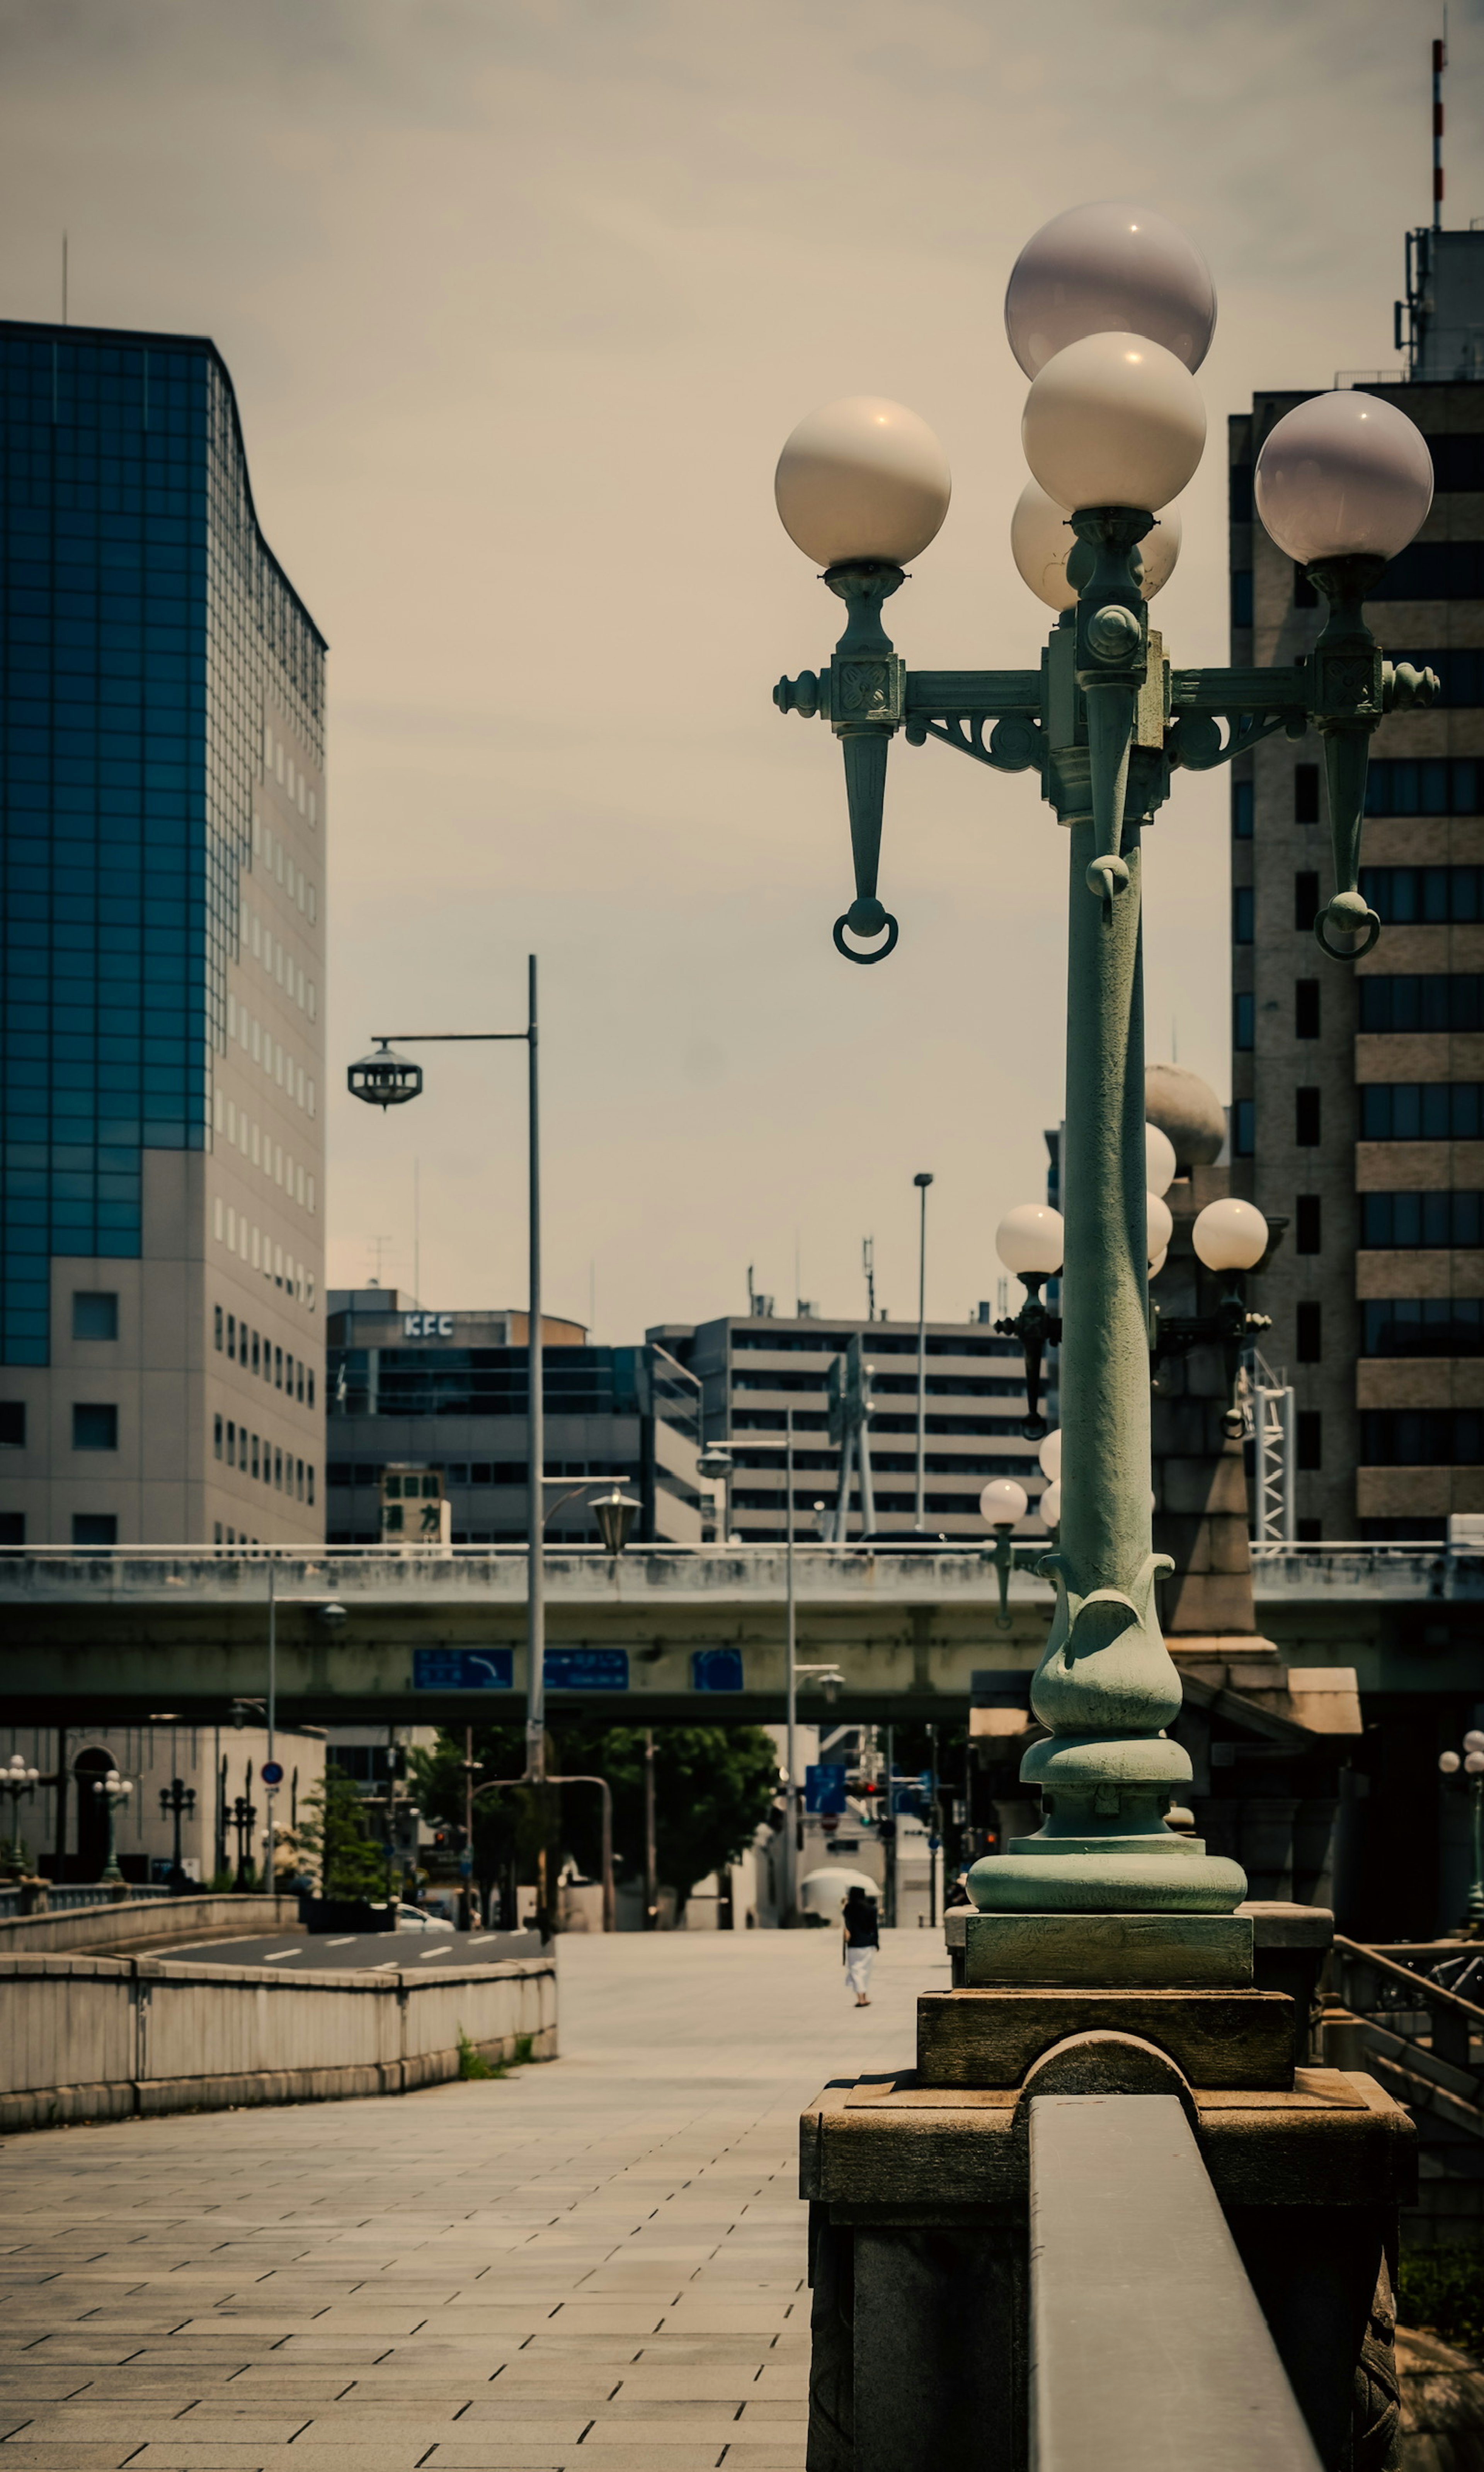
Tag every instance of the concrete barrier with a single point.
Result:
(146, 1922)
(108, 2038)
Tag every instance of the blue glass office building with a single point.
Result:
(151, 645)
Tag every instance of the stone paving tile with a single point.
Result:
(586, 2268)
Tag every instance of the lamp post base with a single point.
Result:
(1103, 1876)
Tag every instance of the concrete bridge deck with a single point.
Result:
(439, 1635)
(598, 2263)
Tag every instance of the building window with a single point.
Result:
(232, 1335)
(1426, 897)
(1425, 785)
(1308, 1532)
(1422, 1436)
(94, 1427)
(1306, 1117)
(217, 1437)
(1244, 1024)
(13, 1424)
(1242, 913)
(1421, 1111)
(1308, 1349)
(12, 1527)
(254, 1352)
(94, 1315)
(310, 1476)
(1241, 596)
(1305, 1008)
(1421, 1222)
(278, 1471)
(231, 1443)
(1451, 570)
(1241, 810)
(1306, 900)
(1311, 1439)
(1423, 1326)
(1244, 1121)
(218, 1320)
(216, 1533)
(94, 1528)
(255, 1441)
(1433, 999)
(1239, 489)
(1308, 1223)
(278, 1368)
(311, 1399)
(298, 1480)
(1306, 794)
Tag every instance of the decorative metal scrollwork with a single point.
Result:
(1015, 741)
(1194, 740)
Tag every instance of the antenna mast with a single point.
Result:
(1439, 64)
(868, 1265)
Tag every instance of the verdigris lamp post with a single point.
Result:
(1472, 1762)
(116, 1792)
(1109, 312)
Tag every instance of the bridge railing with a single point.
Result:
(1422, 2038)
(59, 1900)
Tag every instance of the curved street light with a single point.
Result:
(1109, 324)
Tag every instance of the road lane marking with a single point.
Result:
(272, 1956)
(340, 1943)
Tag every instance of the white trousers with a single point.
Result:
(858, 1962)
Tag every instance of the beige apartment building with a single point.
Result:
(1358, 1092)
(161, 1230)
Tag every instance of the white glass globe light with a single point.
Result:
(1113, 420)
(1158, 1262)
(1030, 1239)
(1474, 1742)
(1474, 1765)
(1003, 1502)
(1106, 268)
(1162, 1225)
(861, 478)
(1449, 1763)
(1160, 1160)
(1343, 475)
(1041, 541)
(1049, 1455)
(1049, 1506)
(1230, 1235)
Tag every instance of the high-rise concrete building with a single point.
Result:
(1358, 1092)
(753, 1367)
(163, 848)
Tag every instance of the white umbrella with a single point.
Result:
(824, 1892)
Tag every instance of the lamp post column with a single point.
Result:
(922, 1182)
(792, 1686)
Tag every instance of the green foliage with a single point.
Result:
(713, 1785)
(472, 2062)
(332, 1837)
(1443, 2290)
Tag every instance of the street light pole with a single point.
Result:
(1113, 429)
(791, 1754)
(922, 1183)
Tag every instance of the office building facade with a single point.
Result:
(1359, 1093)
(448, 1392)
(161, 1353)
(753, 1367)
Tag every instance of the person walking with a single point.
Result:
(862, 1939)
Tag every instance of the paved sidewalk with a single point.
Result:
(597, 2262)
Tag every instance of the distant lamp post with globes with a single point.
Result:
(116, 1793)
(16, 1778)
(1109, 311)
(1471, 1764)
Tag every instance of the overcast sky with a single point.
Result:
(520, 303)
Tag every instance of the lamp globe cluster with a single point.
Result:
(1029, 1240)
(1472, 1761)
(861, 478)
(1343, 475)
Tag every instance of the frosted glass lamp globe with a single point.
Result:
(1049, 1506)
(1474, 1742)
(1474, 1765)
(1041, 541)
(1003, 1502)
(1160, 1161)
(1106, 268)
(1029, 1240)
(863, 478)
(1156, 1261)
(1230, 1235)
(1050, 1456)
(1343, 475)
(1113, 420)
(1162, 1225)
(1449, 1763)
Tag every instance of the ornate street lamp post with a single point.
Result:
(15, 1779)
(1472, 1762)
(178, 1802)
(116, 1792)
(1109, 312)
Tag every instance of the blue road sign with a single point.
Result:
(824, 1790)
(587, 1669)
(463, 1669)
(715, 1669)
(271, 1772)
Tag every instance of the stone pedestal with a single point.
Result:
(918, 2182)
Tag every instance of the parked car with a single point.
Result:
(417, 1918)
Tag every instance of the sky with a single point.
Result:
(520, 303)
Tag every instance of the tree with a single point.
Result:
(713, 1785)
(332, 1834)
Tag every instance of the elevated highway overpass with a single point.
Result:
(661, 1633)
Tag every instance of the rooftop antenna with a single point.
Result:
(1439, 64)
(868, 1265)
(752, 1296)
(416, 1231)
(378, 1246)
